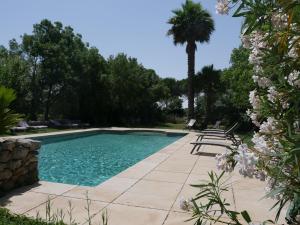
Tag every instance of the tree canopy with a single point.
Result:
(56, 75)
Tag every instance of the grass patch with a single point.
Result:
(176, 126)
(7, 218)
(246, 138)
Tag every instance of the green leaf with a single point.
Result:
(246, 216)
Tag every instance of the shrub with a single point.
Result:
(8, 118)
(6, 218)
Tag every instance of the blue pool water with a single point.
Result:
(89, 159)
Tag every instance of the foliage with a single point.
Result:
(7, 218)
(51, 217)
(207, 81)
(189, 25)
(56, 75)
(238, 80)
(209, 205)
(271, 32)
(8, 118)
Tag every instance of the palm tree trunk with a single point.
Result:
(190, 50)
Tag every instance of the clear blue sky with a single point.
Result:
(135, 27)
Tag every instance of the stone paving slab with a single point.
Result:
(69, 208)
(149, 192)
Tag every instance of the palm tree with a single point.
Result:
(191, 24)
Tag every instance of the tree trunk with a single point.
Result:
(33, 108)
(190, 50)
(48, 103)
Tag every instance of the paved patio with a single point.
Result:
(147, 193)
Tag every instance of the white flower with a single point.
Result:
(294, 78)
(186, 205)
(254, 117)
(279, 20)
(293, 53)
(272, 94)
(260, 143)
(246, 161)
(223, 163)
(255, 57)
(222, 7)
(246, 41)
(284, 104)
(262, 82)
(271, 185)
(254, 99)
(269, 126)
(257, 45)
(258, 69)
(260, 175)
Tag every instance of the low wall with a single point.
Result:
(18, 163)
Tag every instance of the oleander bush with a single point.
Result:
(271, 33)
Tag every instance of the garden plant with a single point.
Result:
(271, 32)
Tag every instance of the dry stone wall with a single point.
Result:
(18, 163)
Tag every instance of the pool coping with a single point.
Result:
(107, 129)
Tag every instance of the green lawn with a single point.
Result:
(178, 126)
(246, 137)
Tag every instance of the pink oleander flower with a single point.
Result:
(260, 143)
(262, 82)
(246, 161)
(222, 7)
(269, 126)
(279, 20)
(272, 94)
(294, 78)
(223, 163)
(186, 205)
(254, 99)
(254, 117)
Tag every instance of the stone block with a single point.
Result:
(20, 152)
(24, 142)
(5, 174)
(8, 145)
(15, 164)
(5, 156)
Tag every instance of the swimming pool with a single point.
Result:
(91, 158)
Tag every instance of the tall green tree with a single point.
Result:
(51, 43)
(208, 80)
(238, 80)
(191, 24)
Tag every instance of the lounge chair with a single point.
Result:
(226, 135)
(25, 124)
(13, 130)
(198, 144)
(63, 124)
(191, 123)
(217, 124)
